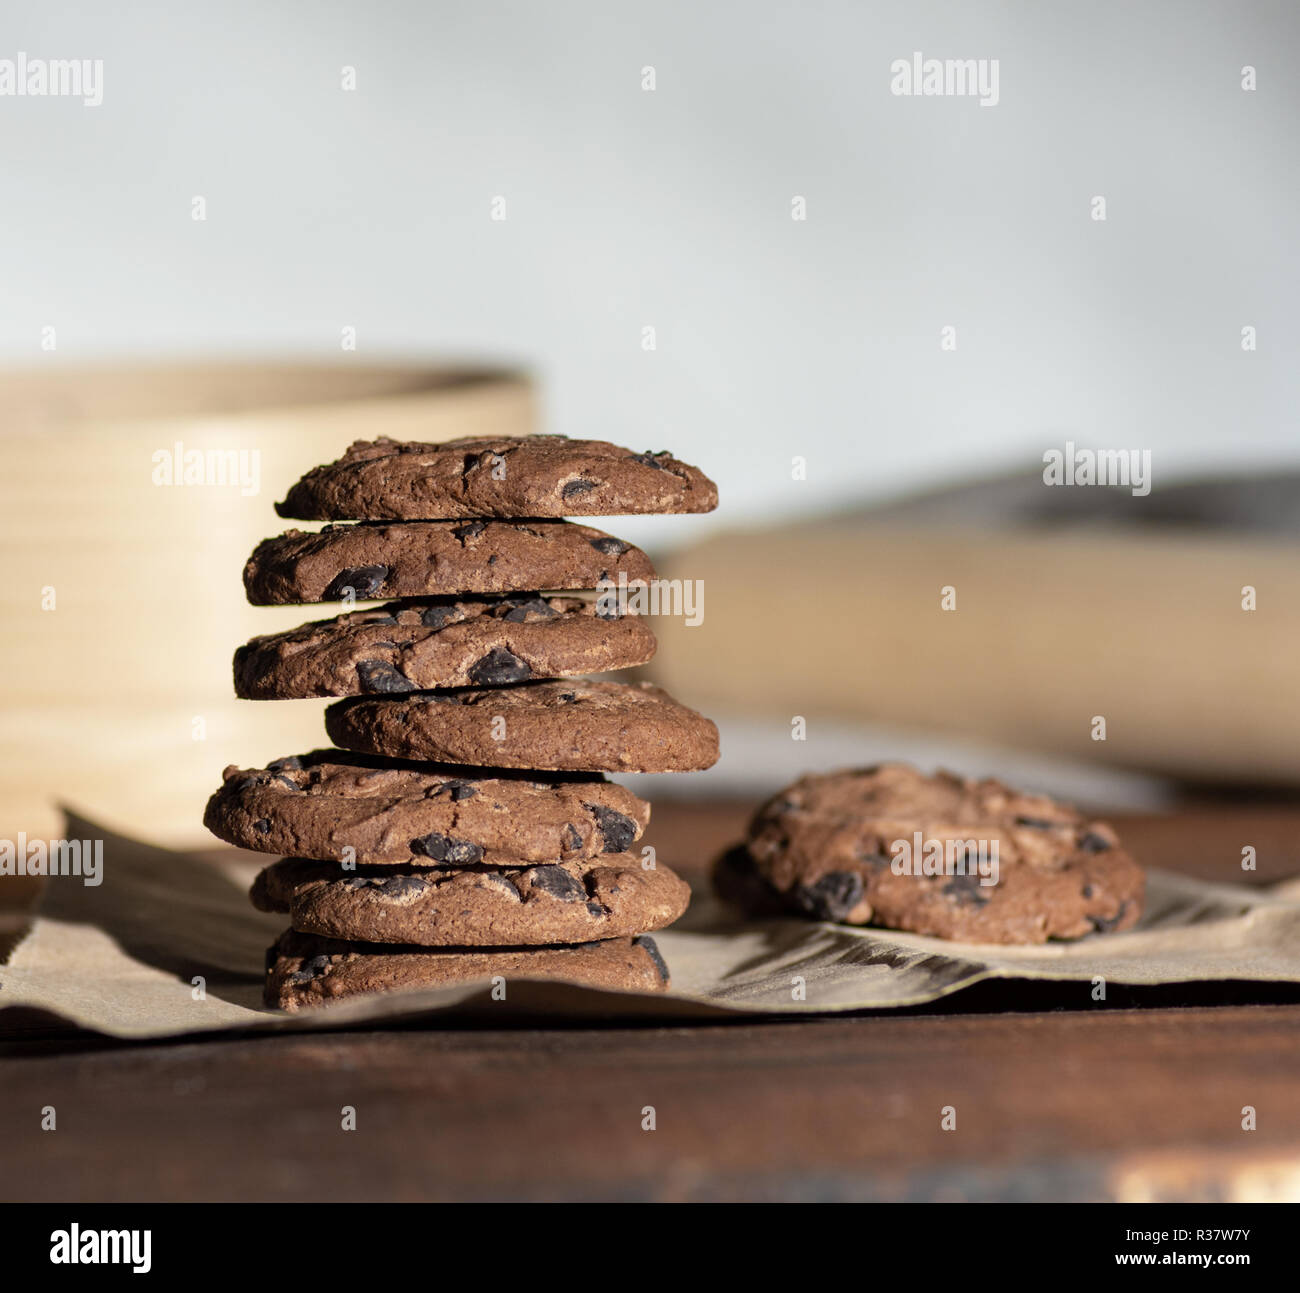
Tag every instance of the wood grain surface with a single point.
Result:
(1139, 1098)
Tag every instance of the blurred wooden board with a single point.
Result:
(1049, 629)
(1114, 1101)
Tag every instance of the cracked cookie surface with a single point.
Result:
(441, 642)
(829, 847)
(378, 560)
(504, 476)
(567, 725)
(322, 805)
(556, 902)
(304, 971)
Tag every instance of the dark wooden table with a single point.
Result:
(1140, 1099)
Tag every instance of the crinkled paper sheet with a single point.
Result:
(120, 958)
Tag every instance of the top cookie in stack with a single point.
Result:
(508, 476)
(468, 831)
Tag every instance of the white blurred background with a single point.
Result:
(671, 209)
(370, 208)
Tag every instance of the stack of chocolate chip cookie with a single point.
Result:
(465, 829)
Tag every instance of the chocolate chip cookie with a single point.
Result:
(304, 970)
(557, 726)
(324, 804)
(550, 475)
(443, 642)
(476, 906)
(373, 560)
(943, 855)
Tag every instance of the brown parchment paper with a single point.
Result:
(121, 958)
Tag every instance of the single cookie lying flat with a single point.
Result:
(557, 726)
(304, 970)
(830, 847)
(436, 558)
(444, 642)
(323, 804)
(551, 475)
(558, 902)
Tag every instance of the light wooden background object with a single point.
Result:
(842, 620)
(104, 695)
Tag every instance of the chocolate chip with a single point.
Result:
(1103, 925)
(595, 909)
(383, 621)
(831, 897)
(396, 887)
(291, 763)
(966, 889)
(458, 790)
(519, 611)
(1037, 823)
(499, 881)
(568, 697)
(380, 676)
(498, 668)
(470, 530)
(618, 829)
(364, 581)
(572, 838)
(609, 546)
(652, 950)
(310, 970)
(437, 617)
(649, 459)
(262, 826)
(558, 883)
(576, 488)
(289, 782)
(448, 851)
(1087, 891)
(1091, 842)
